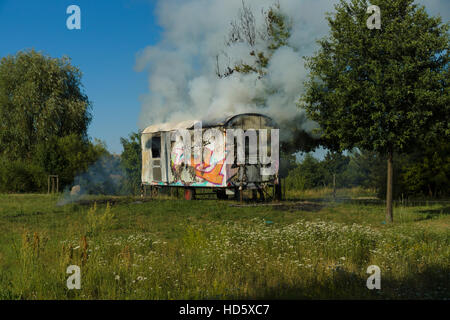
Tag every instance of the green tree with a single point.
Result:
(67, 156)
(427, 171)
(383, 90)
(131, 160)
(40, 97)
(20, 176)
(365, 169)
(334, 165)
(308, 174)
(44, 119)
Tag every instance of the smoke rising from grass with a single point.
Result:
(104, 177)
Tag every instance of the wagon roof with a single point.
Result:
(170, 126)
(189, 124)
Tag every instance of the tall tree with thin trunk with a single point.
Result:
(384, 89)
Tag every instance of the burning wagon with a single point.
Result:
(227, 156)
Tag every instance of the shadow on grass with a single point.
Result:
(431, 283)
(436, 212)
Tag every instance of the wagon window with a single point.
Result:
(156, 147)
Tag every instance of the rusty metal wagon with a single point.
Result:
(164, 162)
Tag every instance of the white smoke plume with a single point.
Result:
(182, 80)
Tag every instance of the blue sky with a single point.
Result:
(105, 48)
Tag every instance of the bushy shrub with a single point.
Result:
(19, 176)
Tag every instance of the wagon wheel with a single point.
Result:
(237, 194)
(154, 192)
(278, 191)
(189, 194)
(263, 193)
(221, 194)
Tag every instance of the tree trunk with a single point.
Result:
(334, 186)
(390, 171)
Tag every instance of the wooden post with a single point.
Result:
(390, 173)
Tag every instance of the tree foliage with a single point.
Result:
(20, 176)
(131, 160)
(383, 90)
(44, 119)
(427, 171)
(40, 97)
(308, 174)
(67, 156)
(422, 174)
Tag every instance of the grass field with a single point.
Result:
(206, 249)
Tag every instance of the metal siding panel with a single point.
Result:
(168, 145)
(146, 176)
(163, 157)
(191, 176)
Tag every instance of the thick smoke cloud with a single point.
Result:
(182, 79)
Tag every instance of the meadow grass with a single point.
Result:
(207, 249)
(327, 193)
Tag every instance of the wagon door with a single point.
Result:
(155, 162)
